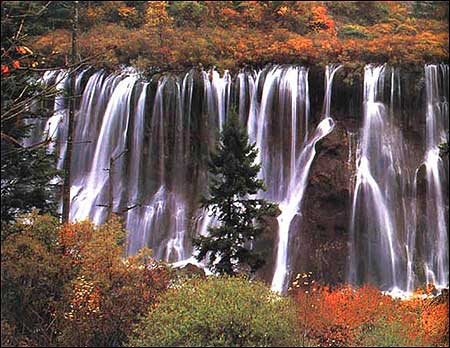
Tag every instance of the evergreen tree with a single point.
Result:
(241, 218)
(26, 170)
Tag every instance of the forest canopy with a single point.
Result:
(173, 35)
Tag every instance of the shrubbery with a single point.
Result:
(229, 35)
(353, 30)
(71, 285)
(221, 312)
(346, 316)
(33, 274)
(388, 333)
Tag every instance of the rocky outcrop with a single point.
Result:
(320, 245)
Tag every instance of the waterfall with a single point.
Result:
(386, 246)
(53, 129)
(91, 197)
(291, 205)
(122, 120)
(437, 118)
(141, 148)
(279, 125)
(375, 251)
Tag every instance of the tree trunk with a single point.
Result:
(110, 189)
(71, 120)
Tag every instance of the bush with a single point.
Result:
(71, 286)
(353, 30)
(219, 311)
(388, 333)
(33, 275)
(363, 317)
(109, 292)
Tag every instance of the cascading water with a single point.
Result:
(388, 243)
(437, 118)
(53, 129)
(375, 253)
(285, 99)
(279, 125)
(143, 146)
(92, 196)
(122, 127)
(291, 205)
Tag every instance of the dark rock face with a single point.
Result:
(191, 270)
(268, 244)
(320, 240)
(320, 245)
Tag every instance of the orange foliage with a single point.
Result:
(108, 291)
(339, 317)
(229, 13)
(73, 238)
(126, 11)
(156, 15)
(435, 323)
(254, 32)
(85, 301)
(321, 20)
(5, 69)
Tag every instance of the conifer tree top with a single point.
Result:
(233, 181)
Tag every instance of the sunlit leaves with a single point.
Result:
(229, 34)
(347, 316)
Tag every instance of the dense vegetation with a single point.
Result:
(221, 312)
(71, 285)
(229, 34)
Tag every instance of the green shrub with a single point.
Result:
(406, 29)
(353, 30)
(387, 334)
(33, 275)
(219, 312)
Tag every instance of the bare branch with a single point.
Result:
(10, 140)
(124, 210)
(28, 15)
(17, 144)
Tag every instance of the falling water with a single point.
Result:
(437, 113)
(53, 129)
(386, 246)
(159, 132)
(376, 255)
(91, 197)
(278, 123)
(290, 207)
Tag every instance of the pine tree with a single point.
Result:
(27, 171)
(241, 218)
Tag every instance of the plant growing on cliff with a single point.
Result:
(241, 218)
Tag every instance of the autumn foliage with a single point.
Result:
(109, 291)
(72, 285)
(347, 316)
(174, 35)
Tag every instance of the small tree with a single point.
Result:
(241, 219)
(26, 170)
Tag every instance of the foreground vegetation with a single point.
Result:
(71, 285)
